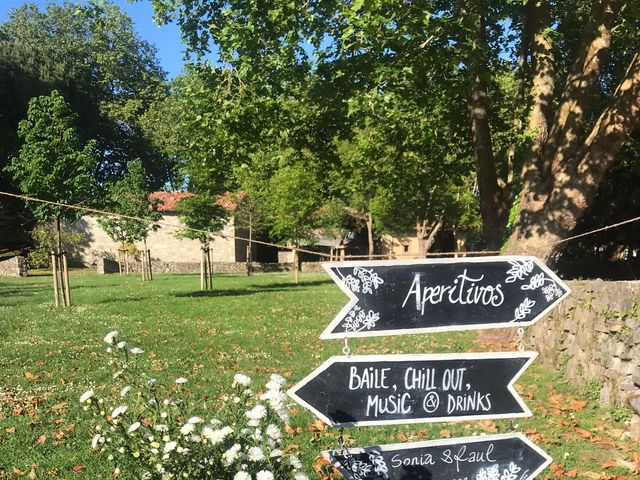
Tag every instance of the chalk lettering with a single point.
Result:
(475, 402)
(391, 404)
(369, 378)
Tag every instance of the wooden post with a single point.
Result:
(120, 262)
(201, 268)
(149, 264)
(209, 268)
(65, 271)
(126, 262)
(54, 270)
(143, 266)
(295, 264)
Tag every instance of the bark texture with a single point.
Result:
(575, 184)
(492, 203)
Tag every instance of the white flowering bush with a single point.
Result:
(149, 435)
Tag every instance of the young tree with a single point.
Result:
(202, 213)
(53, 164)
(130, 197)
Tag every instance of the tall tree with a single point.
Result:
(53, 164)
(92, 55)
(504, 107)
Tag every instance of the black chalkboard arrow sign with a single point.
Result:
(395, 297)
(393, 389)
(494, 457)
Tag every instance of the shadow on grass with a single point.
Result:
(28, 290)
(253, 289)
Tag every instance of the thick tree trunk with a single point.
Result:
(576, 184)
(427, 236)
(549, 164)
(492, 205)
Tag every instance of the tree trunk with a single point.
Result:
(295, 264)
(492, 205)
(576, 184)
(54, 270)
(249, 247)
(427, 236)
(369, 222)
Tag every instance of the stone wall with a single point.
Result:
(106, 266)
(163, 243)
(14, 267)
(595, 334)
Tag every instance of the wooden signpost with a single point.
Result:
(511, 456)
(362, 390)
(418, 296)
(401, 297)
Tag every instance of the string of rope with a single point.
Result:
(286, 247)
(159, 222)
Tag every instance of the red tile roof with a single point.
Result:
(170, 200)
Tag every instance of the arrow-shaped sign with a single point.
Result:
(395, 297)
(391, 389)
(511, 456)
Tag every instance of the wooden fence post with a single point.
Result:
(54, 270)
(65, 271)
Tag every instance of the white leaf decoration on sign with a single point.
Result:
(523, 309)
(519, 270)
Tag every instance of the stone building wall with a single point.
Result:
(14, 267)
(595, 335)
(163, 243)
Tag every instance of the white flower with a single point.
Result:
(95, 440)
(273, 432)
(241, 379)
(119, 411)
(231, 455)
(195, 420)
(276, 382)
(300, 476)
(117, 374)
(169, 447)
(276, 453)
(295, 462)
(121, 344)
(216, 436)
(161, 427)
(256, 413)
(242, 475)
(110, 337)
(264, 475)
(133, 427)
(136, 350)
(181, 381)
(124, 391)
(255, 454)
(86, 396)
(187, 428)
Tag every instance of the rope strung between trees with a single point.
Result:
(285, 247)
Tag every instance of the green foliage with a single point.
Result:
(292, 201)
(52, 163)
(45, 241)
(202, 212)
(92, 55)
(130, 197)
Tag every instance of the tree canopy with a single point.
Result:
(530, 102)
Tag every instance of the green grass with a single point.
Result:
(259, 325)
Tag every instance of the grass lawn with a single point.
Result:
(256, 325)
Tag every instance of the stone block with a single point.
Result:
(634, 401)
